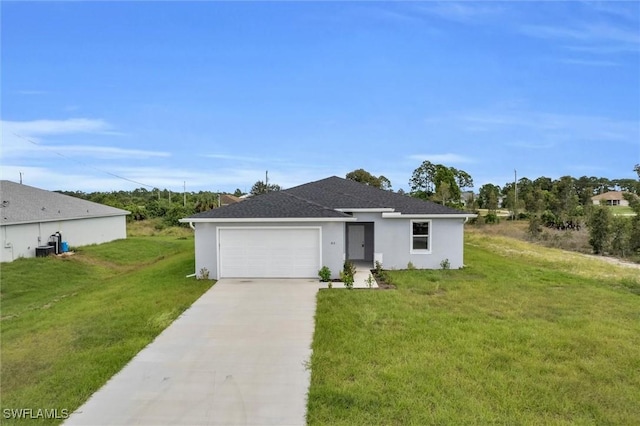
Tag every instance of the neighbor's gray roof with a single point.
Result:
(322, 199)
(26, 204)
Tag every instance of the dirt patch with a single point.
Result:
(381, 279)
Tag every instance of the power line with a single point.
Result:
(82, 163)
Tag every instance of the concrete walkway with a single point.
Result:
(237, 356)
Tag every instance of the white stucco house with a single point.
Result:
(294, 232)
(29, 216)
(610, 198)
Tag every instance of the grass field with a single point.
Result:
(522, 335)
(69, 324)
(622, 210)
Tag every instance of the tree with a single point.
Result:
(363, 176)
(428, 179)
(422, 180)
(238, 192)
(205, 201)
(260, 188)
(488, 197)
(599, 223)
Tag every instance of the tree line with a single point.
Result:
(563, 203)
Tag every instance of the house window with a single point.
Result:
(420, 237)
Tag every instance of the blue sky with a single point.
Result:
(215, 93)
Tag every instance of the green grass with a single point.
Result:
(621, 210)
(514, 338)
(69, 324)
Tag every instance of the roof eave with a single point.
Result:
(58, 219)
(367, 210)
(266, 219)
(397, 215)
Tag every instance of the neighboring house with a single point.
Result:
(466, 197)
(226, 199)
(610, 198)
(294, 232)
(29, 216)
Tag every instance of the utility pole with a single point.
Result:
(20, 178)
(266, 181)
(184, 192)
(515, 186)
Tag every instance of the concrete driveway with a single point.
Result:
(237, 356)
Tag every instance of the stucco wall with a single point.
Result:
(207, 248)
(21, 240)
(392, 242)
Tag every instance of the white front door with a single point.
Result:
(269, 252)
(356, 242)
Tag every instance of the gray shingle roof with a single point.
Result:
(321, 199)
(26, 204)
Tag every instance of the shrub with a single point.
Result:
(347, 273)
(369, 281)
(203, 274)
(491, 218)
(349, 268)
(324, 274)
(378, 267)
(411, 266)
(535, 227)
(445, 264)
(599, 232)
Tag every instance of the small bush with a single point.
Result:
(369, 281)
(491, 218)
(445, 264)
(203, 274)
(411, 266)
(347, 273)
(324, 274)
(378, 267)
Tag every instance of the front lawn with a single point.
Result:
(69, 324)
(522, 335)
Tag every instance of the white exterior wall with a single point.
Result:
(206, 245)
(21, 240)
(392, 242)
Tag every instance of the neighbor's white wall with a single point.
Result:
(392, 239)
(206, 245)
(21, 240)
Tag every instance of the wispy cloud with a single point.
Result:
(585, 32)
(57, 127)
(31, 92)
(231, 157)
(590, 37)
(28, 140)
(108, 152)
(590, 63)
(448, 158)
(464, 12)
(549, 128)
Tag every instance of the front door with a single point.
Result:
(355, 235)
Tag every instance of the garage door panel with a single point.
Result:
(269, 252)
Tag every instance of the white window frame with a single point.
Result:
(411, 236)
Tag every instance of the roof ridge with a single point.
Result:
(312, 203)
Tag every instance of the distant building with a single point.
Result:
(611, 198)
(226, 199)
(30, 216)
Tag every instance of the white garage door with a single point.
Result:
(269, 252)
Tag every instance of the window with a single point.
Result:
(420, 241)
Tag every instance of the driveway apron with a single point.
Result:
(237, 356)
